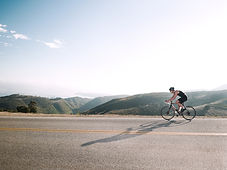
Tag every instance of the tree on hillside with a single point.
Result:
(23, 109)
(32, 107)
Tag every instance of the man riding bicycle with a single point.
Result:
(183, 98)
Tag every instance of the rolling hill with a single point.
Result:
(98, 101)
(71, 105)
(44, 105)
(205, 102)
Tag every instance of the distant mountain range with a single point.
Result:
(205, 102)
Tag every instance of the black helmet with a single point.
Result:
(171, 89)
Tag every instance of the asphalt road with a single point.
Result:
(125, 143)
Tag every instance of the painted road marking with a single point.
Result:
(115, 132)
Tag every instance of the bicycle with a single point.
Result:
(168, 112)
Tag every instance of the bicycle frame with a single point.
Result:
(171, 104)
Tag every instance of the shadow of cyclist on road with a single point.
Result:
(138, 131)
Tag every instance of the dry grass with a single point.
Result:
(35, 114)
(69, 115)
(106, 115)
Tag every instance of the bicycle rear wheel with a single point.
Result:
(189, 113)
(167, 113)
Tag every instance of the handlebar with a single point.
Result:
(171, 102)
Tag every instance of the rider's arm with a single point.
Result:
(174, 96)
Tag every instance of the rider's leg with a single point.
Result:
(179, 105)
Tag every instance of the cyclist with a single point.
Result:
(183, 98)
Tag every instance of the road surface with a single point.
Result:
(103, 143)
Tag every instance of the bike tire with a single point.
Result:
(189, 113)
(167, 113)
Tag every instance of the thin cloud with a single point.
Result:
(8, 36)
(5, 44)
(13, 32)
(2, 28)
(20, 36)
(1, 25)
(55, 44)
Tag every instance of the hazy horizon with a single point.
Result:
(70, 48)
(25, 90)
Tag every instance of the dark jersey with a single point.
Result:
(181, 94)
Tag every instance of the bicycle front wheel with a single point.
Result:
(189, 113)
(167, 113)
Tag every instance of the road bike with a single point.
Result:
(168, 112)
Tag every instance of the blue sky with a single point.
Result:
(98, 47)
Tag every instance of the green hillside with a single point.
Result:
(205, 102)
(141, 104)
(98, 101)
(77, 102)
(44, 105)
(71, 105)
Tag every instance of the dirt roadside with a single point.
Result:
(78, 115)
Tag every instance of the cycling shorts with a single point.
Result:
(182, 99)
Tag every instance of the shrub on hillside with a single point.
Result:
(32, 107)
(23, 109)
